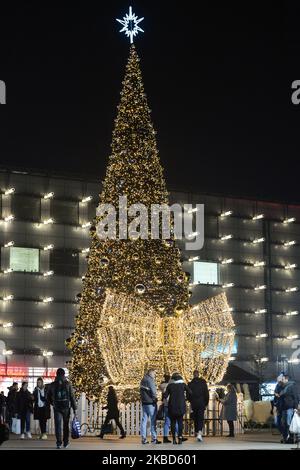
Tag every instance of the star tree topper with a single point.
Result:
(130, 24)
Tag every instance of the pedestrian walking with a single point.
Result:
(41, 409)
(229, 412)
(11, 402)
(60, 394)
(24, 409)
(167, 422)
(177, 392)
(290, 401)
(148, 394)
(199, 398)
(112, 413)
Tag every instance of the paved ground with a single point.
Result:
(253, 441)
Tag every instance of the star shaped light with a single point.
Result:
(130, 24)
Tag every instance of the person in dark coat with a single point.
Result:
(11, 402)
(24, 409)
(199, 398)
(229, 411)
(177, 391)
(290, 400)
(41, 410)
(60, 394)
(2, 408)
(112, 412)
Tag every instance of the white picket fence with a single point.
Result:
(91, 416)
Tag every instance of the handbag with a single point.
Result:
(295, 423)
(108, 429)
(75, 431)
(16, 426)
(160, 413)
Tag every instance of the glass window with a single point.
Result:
(206, 273)
(64, 212)
(26, 207)
(24, 259)
(64, 262)
(92, 210)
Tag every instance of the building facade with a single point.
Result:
(251, 250)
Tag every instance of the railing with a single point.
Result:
(91, 416)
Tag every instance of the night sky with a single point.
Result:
(218, 81)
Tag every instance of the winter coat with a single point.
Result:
(36, 408)
(112, 406)
(229, 412)
(24, 402)
(289, 395)
(199, 396)
(278, 401)
(63, 405)
(11, 401)
(148, 391)
(177, 391)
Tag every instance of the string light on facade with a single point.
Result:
(226, 237)
(260, 310)
(7, 298)
(47, 353)
(9, 218)
(49, 195)
(292, 313)
(85, 250)
(8, 244)
(48, 247)
(86, 225)
(258, 217)
(226, 214)
(262, 335)
(290, 266)
(292, 337)
(258, 240)
(227, 261)
(87, 199)
(48, 221)
(289, 220)
(9, 191)
(48, 326)
(258, 264)
(7, 352)
(290, 243)
(48, 273)
(194, 258)
(8, 271)
(8, 325)
(261, 287)
(291, 289)
(227, 285)
(48, 299)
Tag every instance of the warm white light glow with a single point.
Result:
(9, 244)
(229, 284)
(87, 199)
(258, 240)
(292, 313)
(262, 335)
(292, 242)
(48, 195)
(227, 261)
(261, 310)
(190, 211)
(47, 353)
(290, 266)
(85, 250)
(7, 298)
(48, 247)
(232, 358)
(7, 352)
(289, 220)
(7, 271)
(258, 264)
(48, 221)
(8, 325)
(258, 216)
(292, 337)
(48, 273)
(194, 258)
(47, 326)
(225, 214)
(9, 191)
(86, 225)
(48, 299)
(291, 289)
(9, 218)
(192, 235)
(263, 359)
(226, 237)
(262, 287)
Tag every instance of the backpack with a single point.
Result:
(61, 395)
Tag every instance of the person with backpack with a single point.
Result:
(41, 410)
(61, 396)
(112, 413)
(199, 399)
(24, 409)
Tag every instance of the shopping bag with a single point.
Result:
(295, 423)
(107, 429)
(75, 431)
(160, 413)
(16, 426)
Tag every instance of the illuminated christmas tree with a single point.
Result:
(147, 270)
